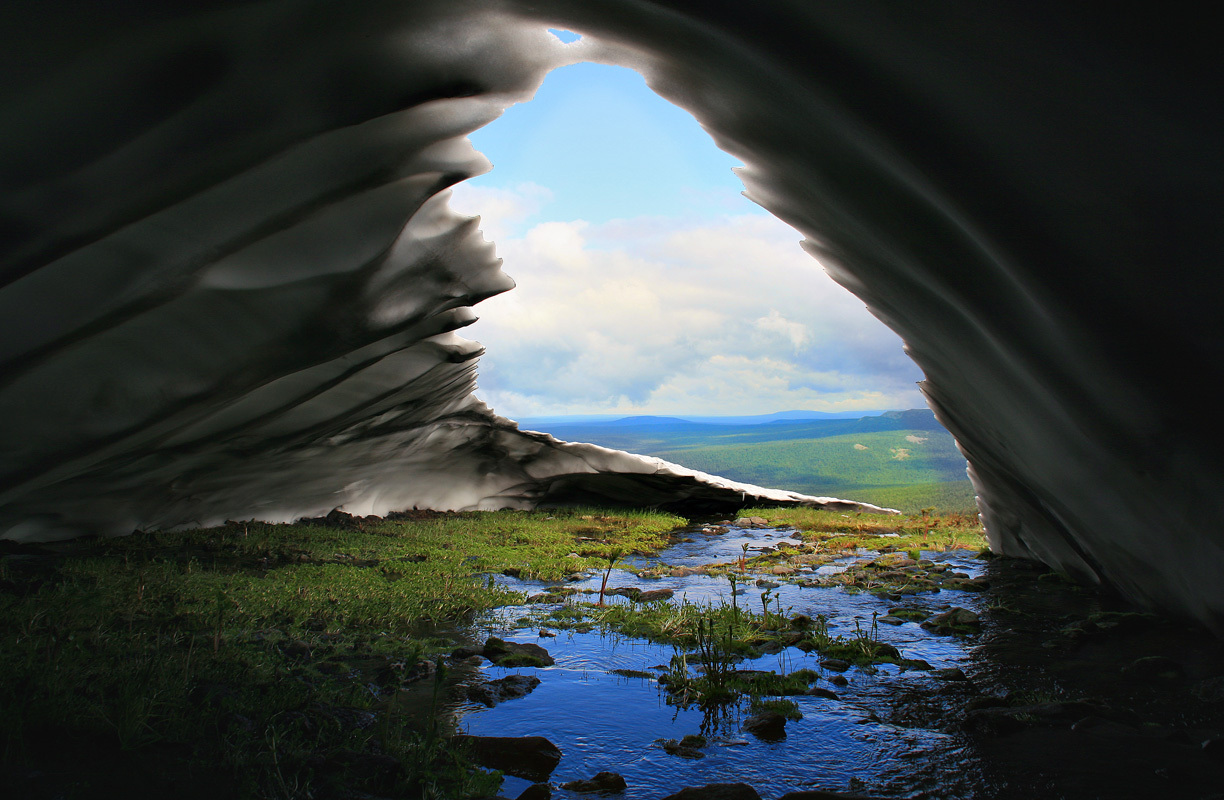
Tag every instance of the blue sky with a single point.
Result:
(647, 284)
(609, 148)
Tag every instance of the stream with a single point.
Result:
(890, 732)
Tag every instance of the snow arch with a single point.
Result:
(231, 283)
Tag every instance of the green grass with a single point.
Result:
(830, 531)
(244, 653)
(906, 469)
(950, 497)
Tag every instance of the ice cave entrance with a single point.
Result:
(648, 284)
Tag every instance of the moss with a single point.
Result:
(269, 656)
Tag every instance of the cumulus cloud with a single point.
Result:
(655, 315)
(796, 332)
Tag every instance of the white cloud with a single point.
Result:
(660, 316)
(797, 333)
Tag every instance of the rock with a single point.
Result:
(949, 674)
(512, 572)
(507, 688)
(915, 663)
(751, 522)
(839, 680)
(781, 569)
(546, 633)
(909, 614)
(694, 740)
(530, 757)
(460, 653)
(675, 748)
(801, 622)
(655, 595)
(792, 638)
(883, 650)
(954, 620)
(835, 664)
(767, 725)
(764, 584)
(716, 791)
(684, 572)
(888, 619)
(536, 791)
(604, 783)
(1154, 667)
(632, 592)
(715, 530)
(816, 691)
(513, 654)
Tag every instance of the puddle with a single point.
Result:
(1044, 646)
(602, 721)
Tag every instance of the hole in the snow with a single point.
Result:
(648, 285)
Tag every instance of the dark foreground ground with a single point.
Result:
(319, 661)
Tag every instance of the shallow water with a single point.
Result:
(602, 721)
(892, 732)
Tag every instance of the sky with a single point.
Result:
(647, 284)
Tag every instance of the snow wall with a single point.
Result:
(230, 283)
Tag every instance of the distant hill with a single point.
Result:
(902, 459)
(534, 423)
(781, 416)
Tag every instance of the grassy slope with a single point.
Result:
(893, 470)
(810, 456)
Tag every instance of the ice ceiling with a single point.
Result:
(231, 282)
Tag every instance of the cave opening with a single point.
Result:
(647, 283)
(653, 296)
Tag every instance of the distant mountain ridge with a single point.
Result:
(751, 419)
(647, 434)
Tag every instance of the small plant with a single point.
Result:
(772, 619)
(787, 708)
(926, 520)
(219, 623)
(612, 557)
(731, 576)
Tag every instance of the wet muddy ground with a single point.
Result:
(1055, 690)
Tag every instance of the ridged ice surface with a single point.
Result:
(231, 282)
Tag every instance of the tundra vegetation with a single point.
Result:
(282, 660)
